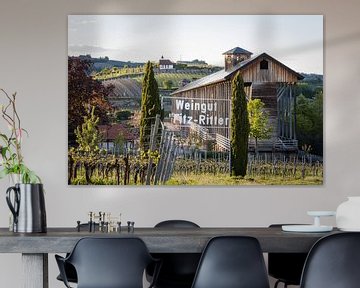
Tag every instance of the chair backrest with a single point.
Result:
(178, 269)
(286, 266)
(176, 224)
(232, 262)
(333, 262)
(110, 262)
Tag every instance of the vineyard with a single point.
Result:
(176, 79)
(165, 80)
(131, 167)
(134, 170)
(173, 161)
(108, 170)
(115, 72)
(275, 171)
(179, 154)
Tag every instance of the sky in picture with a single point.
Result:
(295, 40)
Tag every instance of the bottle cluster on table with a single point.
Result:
(104, 222)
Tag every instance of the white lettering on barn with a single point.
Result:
(205, 112)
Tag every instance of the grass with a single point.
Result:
(223, 179)
(209, 179)
(189, 172)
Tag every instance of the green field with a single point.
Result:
(175, 78)
(115, 72)
(208, 179)
(223, 179)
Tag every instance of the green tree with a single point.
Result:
(83, 90)
(87, 134)
(259, 121)
(150, 105)
(240, 127)
(309, 116)
(88, 139)
(123, 115)
(119, 144)
(168, 84)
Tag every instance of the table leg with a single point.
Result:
(35, 270)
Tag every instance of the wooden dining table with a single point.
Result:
(35, 247)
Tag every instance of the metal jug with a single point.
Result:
(28, 208)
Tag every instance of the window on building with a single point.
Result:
(264, 65)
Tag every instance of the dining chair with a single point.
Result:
(333, 262)
(70, 271)
(285, 267)
(108, 263)
(232, 262)
(178, 269)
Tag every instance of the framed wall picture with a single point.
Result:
(195, 100)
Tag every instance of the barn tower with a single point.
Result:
(234, 56)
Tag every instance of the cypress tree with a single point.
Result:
(150, 105)
(240, 127)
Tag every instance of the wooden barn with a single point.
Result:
(203, 105)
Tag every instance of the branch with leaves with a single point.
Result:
(12, 161)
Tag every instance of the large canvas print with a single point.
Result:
(195, 100)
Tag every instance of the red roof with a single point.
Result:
(111, 132)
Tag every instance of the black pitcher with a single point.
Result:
(28, 207)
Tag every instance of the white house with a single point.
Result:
(166, 64)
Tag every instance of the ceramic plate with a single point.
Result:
(350, 229)
(306, 228)
(321, 213)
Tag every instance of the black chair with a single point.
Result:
(108, 263)
(176, 224)
(69, 269)
(178, 269)
(286, 267)
(232, 262)
(333, 262)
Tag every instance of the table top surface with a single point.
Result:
(158, 240)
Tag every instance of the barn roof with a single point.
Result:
(237, 50)
(223, 75)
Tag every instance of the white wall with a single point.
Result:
(33, 62)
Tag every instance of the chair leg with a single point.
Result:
(279, 281)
